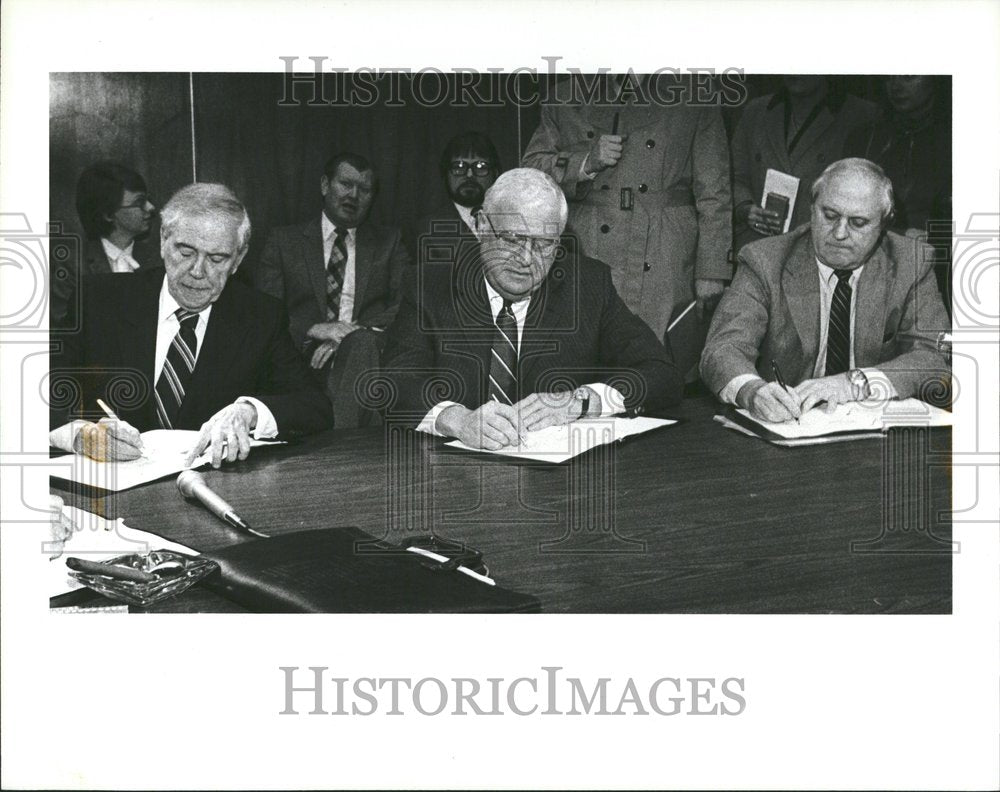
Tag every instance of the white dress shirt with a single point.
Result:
(466, 214)
(827, 285)
(167, 326)
(121, 260)
(346, 312)
(612, 400)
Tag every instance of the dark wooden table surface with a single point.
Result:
(688, 519)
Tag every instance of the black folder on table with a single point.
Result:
(345, 570)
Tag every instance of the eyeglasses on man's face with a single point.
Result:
(544, 245)
(461, 167)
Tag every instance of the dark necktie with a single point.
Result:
(335, 274)
(503, 357)
(838, 339)
(177, 368)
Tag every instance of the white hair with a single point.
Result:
(869, 171)
(528, 192)
(206, 198)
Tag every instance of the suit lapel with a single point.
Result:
(227, 324)
(364, 258)
(774, 136)
(312, 255)
(813, 134)
(96, 259)
(801, 289)
(869, 312)
(140, 316)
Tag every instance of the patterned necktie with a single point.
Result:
(503, 357)
(838, 339)
(177, 369)
(335, 274)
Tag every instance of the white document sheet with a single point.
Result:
(559, 443)
(866, 416)
(96, 539)
(163, 455)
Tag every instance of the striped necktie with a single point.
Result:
(177, 368)
(503, 357)
(335, 268)
(838, 338)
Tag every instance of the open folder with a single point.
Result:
(851, 421)
(164, 452)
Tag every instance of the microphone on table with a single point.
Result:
(193, 485)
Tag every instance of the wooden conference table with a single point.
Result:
(692, 518)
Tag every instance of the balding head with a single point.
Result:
(531, 195)
(852, 205)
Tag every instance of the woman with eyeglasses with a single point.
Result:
(114, 211)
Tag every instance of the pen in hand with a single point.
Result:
(780, 379)
(111, 414)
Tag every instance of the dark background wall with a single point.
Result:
(272, 153)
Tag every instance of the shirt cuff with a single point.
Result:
(728, 394)
(266, 427)
(879, 385)
(612, 401)
(63, 436)
(429, 424)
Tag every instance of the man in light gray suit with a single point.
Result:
(841, 307)
(339, 278)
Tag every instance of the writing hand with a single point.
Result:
(108, 440)
(491, 426)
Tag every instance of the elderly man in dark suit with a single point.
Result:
(339, 278)
(843, 308)
(517, 334)
(184, 348)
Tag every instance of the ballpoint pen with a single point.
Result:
(780, 379)
(111, 414)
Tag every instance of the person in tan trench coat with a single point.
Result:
(650, 198)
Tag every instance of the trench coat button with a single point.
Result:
(643, 188)
(650, 143)
(646, 267)
(590, 134)
(605, 228)
(605, 186)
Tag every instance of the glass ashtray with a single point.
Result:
(174, 573)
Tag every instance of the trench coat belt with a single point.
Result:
(651, 199)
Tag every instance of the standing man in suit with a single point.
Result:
(648, 189)
(844, 307)
(798, 130)
(339, 278)
(520, 334)
(114, 211)
(184, 348)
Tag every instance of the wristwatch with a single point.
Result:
(582, 395)
(860, 389)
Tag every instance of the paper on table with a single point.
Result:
(96, 539)
(800, 441)
(559, 443)
(163, 455)
(867, 416)
(782, 184)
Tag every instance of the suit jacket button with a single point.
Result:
(643, 188)
(650, 143)
(646, 267)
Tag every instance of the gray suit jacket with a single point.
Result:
(292, 269)
(771, 311)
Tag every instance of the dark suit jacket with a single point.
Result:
(246, 352)
(771, 311)
(577, 330)
(67, 275)
(292, 269)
